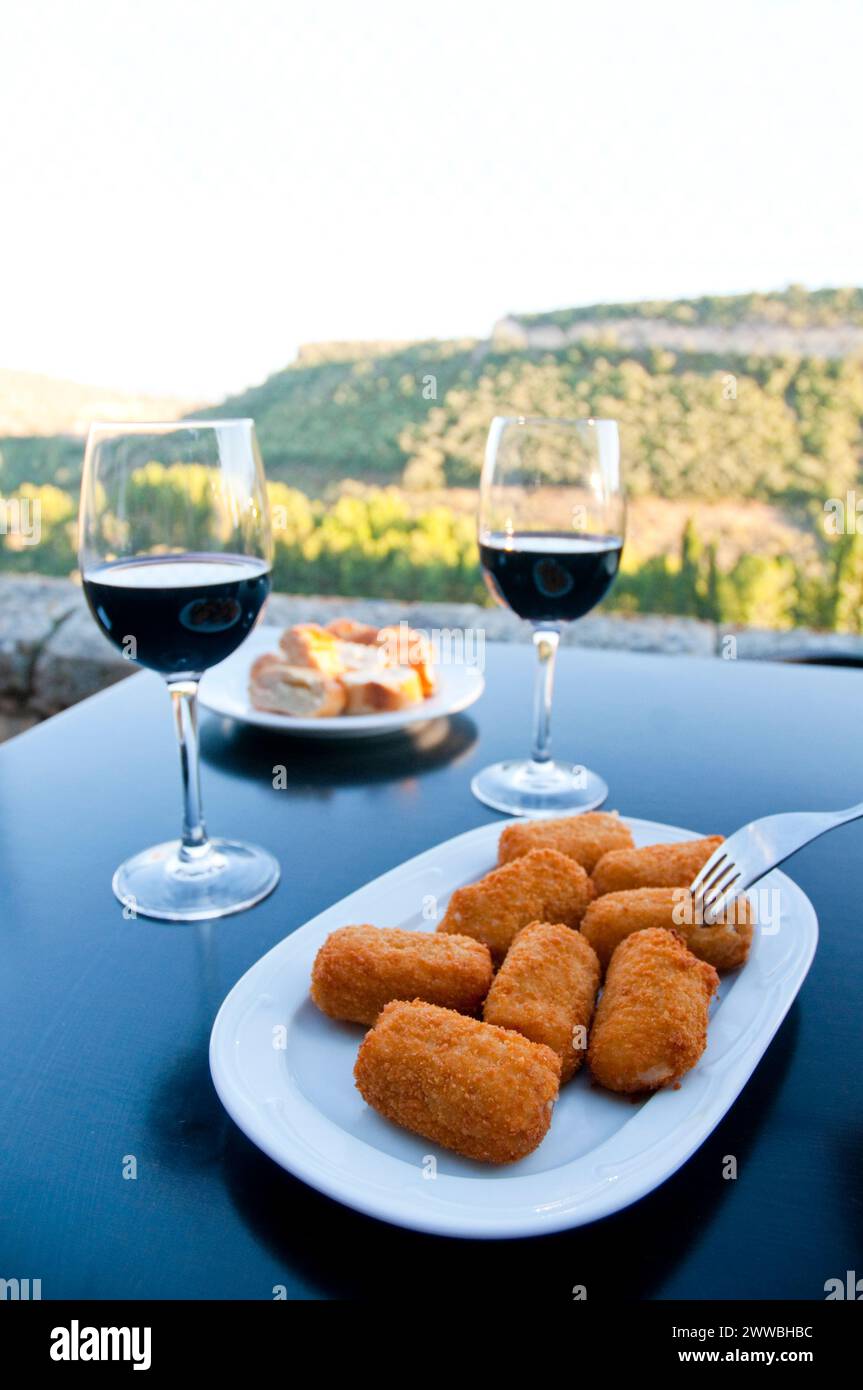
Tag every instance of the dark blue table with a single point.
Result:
(106, 1021)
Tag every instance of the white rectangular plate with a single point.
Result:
(284, 1072)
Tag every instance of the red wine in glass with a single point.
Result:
(551, 530)
(175, 552)
(548, 576)
(185, 612)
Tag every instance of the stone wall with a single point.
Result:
(52, 654)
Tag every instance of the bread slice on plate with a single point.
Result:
(279, 688)
(406, 646)
(349, 630)
(392, 689)
(307, 644)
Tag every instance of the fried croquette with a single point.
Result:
(546, 989)
(360, 969)
(542, 886)
(615, 916)
(585, 838)
(482, 1091)
(654, 866)
(651, 1023)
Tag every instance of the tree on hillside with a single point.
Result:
(848, 611)
(760, 591)
(690, 577)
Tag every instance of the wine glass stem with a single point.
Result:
(546, 640)
(184, 697)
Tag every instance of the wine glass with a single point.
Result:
(552, 517)
(175, 554)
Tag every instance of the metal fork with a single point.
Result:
(751, 852)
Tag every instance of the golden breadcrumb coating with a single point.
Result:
(614, 916)
(360, 969)
(654, 866)
(546, 989)
(542, 886)
(585, 838)
(651, 1023)
(482, 1091)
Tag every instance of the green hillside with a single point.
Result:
(344, 415)
(795, 307)
(374, 450)
(693, 425)
(34, 404)
(699, 425)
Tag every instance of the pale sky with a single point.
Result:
(191, 188)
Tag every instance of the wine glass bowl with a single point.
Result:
(175, 557)
(552, 518)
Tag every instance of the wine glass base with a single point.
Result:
(228, 877)
(539, 789)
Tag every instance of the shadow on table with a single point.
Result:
(245, 751)
(187, 1121)
(847, 1198)
(629, 1256)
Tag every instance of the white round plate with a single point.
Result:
(284, 1072)
(225, 690)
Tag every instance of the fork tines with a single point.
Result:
(713, 886)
